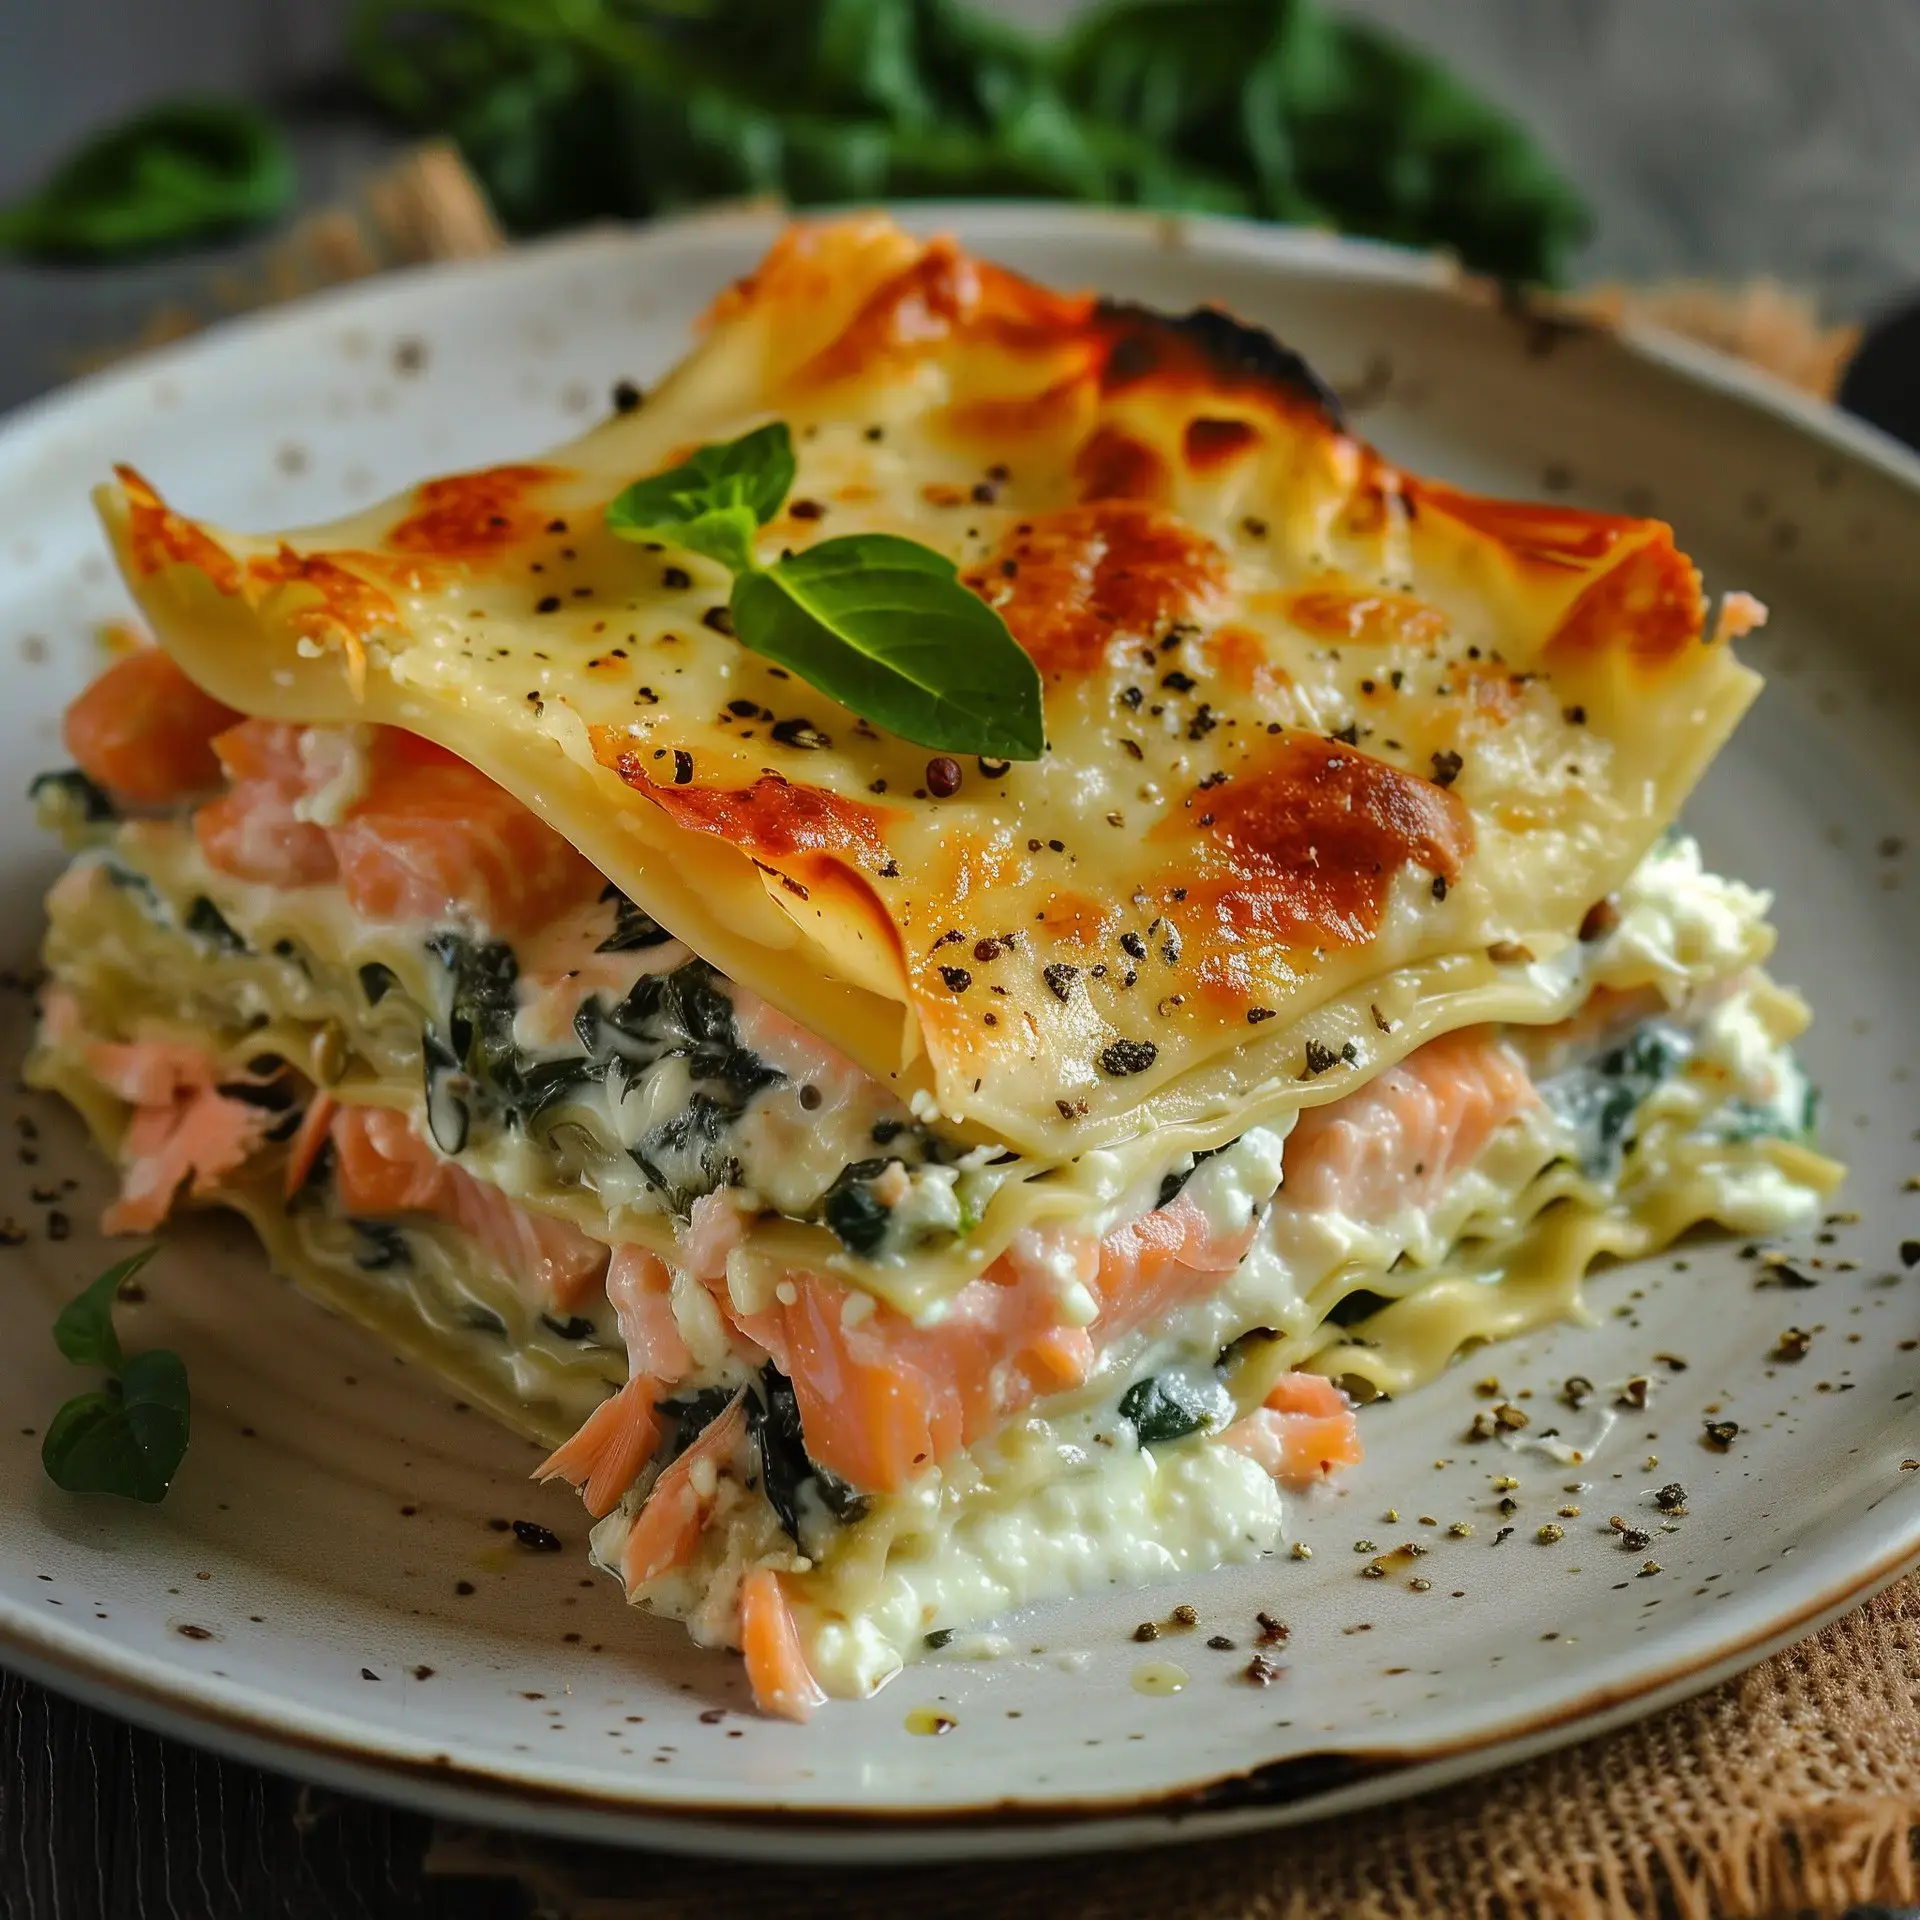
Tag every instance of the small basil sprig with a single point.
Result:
(881, 624)
(127, 1437)
(182, 171)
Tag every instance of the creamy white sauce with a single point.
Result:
(1684, 921)
(1128, 1518)
(337, 763)
(1232, 1185)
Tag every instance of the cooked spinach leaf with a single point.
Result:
(684, 1015)
(853, 1210)
(682, 1156)
(209, 923)
(687, 1014)
(1243, 1347)
(692, 1414)
(632, 928)
(69, 791)
(479, 1028)
(471, 1058)
(449, 1112)
(381, 1245)
(1171, 1184)
(473, 1065)
(1598, 1099)
(270, 1096)
(773, 1419)
(137, 884)
(1169, 1406)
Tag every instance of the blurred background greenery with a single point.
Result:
(575, 110)
(1577, 140)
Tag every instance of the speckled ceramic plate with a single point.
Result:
(333, 1585)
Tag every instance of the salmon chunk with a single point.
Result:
(414, 833)
(1400, 1140)
(383, 1167)
(186, 1132)
(144, 731)
(881, 1399)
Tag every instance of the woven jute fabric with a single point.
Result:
(1793, 1790)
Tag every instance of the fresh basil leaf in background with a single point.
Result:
(84, 1329)
(1329, 120)
(187, 170)
(715, 501)
(884, 626)
(128, 1437)
(577, 109)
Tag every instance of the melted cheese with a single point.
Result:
(1312, 721)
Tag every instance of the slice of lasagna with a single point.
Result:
(898, 1193)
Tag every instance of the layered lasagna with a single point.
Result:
(898, 1192)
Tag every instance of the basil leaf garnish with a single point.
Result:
(881, 624)
(87, 1441)
(129, 1436)
(884, 626)
(714, 502)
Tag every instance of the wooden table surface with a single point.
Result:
(1718, 138)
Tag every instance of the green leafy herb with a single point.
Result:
(1169, 1406)
(884, 626)
(773, 1422)
(857, 1215)
(83, 1331)
(205, 919)
(182, 171)
(881, 624)
(632, 928)
(693, 1412)
(1600, 1098)
(714, 502)
(1272, 109)
(70, 793)
(127, 1437)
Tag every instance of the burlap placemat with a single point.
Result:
(1794, 1790)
